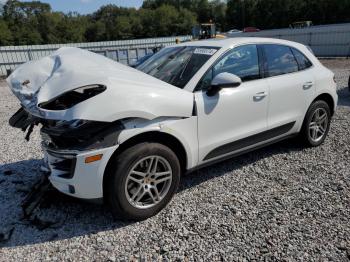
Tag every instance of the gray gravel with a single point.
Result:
(281, 202)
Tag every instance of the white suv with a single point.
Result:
(127, 135)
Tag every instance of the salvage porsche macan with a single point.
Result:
(127, 135)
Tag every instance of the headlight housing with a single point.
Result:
(73, 124)
(74, 97)
(81, 134)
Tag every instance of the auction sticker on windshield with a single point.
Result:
(205, 51)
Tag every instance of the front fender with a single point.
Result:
(182, 129)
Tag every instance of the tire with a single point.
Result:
(313, 125)
(124, 186)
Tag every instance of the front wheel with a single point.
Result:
(142, 181)
(316, 124)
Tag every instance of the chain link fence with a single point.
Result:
(125, 51)
(325, 40)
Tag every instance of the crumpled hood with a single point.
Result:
(129, 93)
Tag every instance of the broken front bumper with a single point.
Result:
(67, 150)
(70, 174)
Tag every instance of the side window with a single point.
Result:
(242, 61)
(302, 60)
(280, 60)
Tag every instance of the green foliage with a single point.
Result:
(35, 22)
(206, 11)
(5, 34)
(266, 14)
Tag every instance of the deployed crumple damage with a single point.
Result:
(129, 93)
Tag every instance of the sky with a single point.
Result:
(86, 6)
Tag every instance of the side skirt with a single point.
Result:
(221, 159)
(249, 141)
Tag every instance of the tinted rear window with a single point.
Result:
(280, 60)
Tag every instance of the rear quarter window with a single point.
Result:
(303, 61)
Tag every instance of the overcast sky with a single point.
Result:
(87, 6)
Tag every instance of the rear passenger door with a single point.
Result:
(291, 83)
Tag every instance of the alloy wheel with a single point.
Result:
(318, 125)
(148, 182)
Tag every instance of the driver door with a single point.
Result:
(231, 120)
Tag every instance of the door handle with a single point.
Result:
(307, 85)
(260, 95)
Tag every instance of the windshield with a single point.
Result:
(177, 65)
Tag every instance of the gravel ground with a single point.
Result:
(281, 202)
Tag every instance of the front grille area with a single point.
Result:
(67, 166)
(61, 165)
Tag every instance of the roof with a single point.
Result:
(233, 41)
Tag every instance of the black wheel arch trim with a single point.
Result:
(163, 138)
(328, 98)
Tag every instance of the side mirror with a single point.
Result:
(223, 80)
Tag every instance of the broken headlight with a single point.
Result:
(72, 98)
(71, 124)
(81, 134)
(75, 128)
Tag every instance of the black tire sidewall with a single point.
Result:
(305, 132)
(116, 185)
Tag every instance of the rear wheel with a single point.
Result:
(316, 124)
(142, 181)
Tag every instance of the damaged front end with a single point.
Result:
(68, 146)
(71, 149)
(64, 140)
(79, 135)
(81, 100)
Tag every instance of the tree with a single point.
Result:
(267, 14)
(48, 27)
(35, 22)
(23, 20)
(96, 31)
(5, 34)
(218, 14)
(71, 28)
(186, 20)
(164, 20)
(199, 7)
